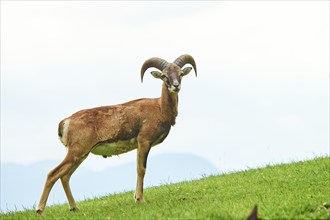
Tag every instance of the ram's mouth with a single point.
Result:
(174, 89)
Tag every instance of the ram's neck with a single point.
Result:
(169, 105)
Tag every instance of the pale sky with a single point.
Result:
(261, 95)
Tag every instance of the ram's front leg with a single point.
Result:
(142, 155)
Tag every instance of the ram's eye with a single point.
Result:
(165, 79)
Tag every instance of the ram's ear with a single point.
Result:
(156, 74)
(186, 71)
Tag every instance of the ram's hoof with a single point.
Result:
(74, 209)
(39, 211)
(138, 199)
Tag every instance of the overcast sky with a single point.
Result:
(261, 95)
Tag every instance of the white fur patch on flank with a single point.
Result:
(115, 148)
(65, 128)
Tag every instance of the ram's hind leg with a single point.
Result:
(66, 185)
(72, 159)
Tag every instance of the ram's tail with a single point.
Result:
(63, 128)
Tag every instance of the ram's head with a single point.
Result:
(170, 73)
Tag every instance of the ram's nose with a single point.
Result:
(176, 87)
(176, 83)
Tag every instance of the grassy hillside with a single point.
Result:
(290, 191)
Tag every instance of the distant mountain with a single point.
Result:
(21, 186)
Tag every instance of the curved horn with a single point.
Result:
(184, 59)
(156, 62)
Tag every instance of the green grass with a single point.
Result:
(290, 191)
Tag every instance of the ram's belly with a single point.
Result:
(115, 148)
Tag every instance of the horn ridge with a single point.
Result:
(156, 62)
(184, 59)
